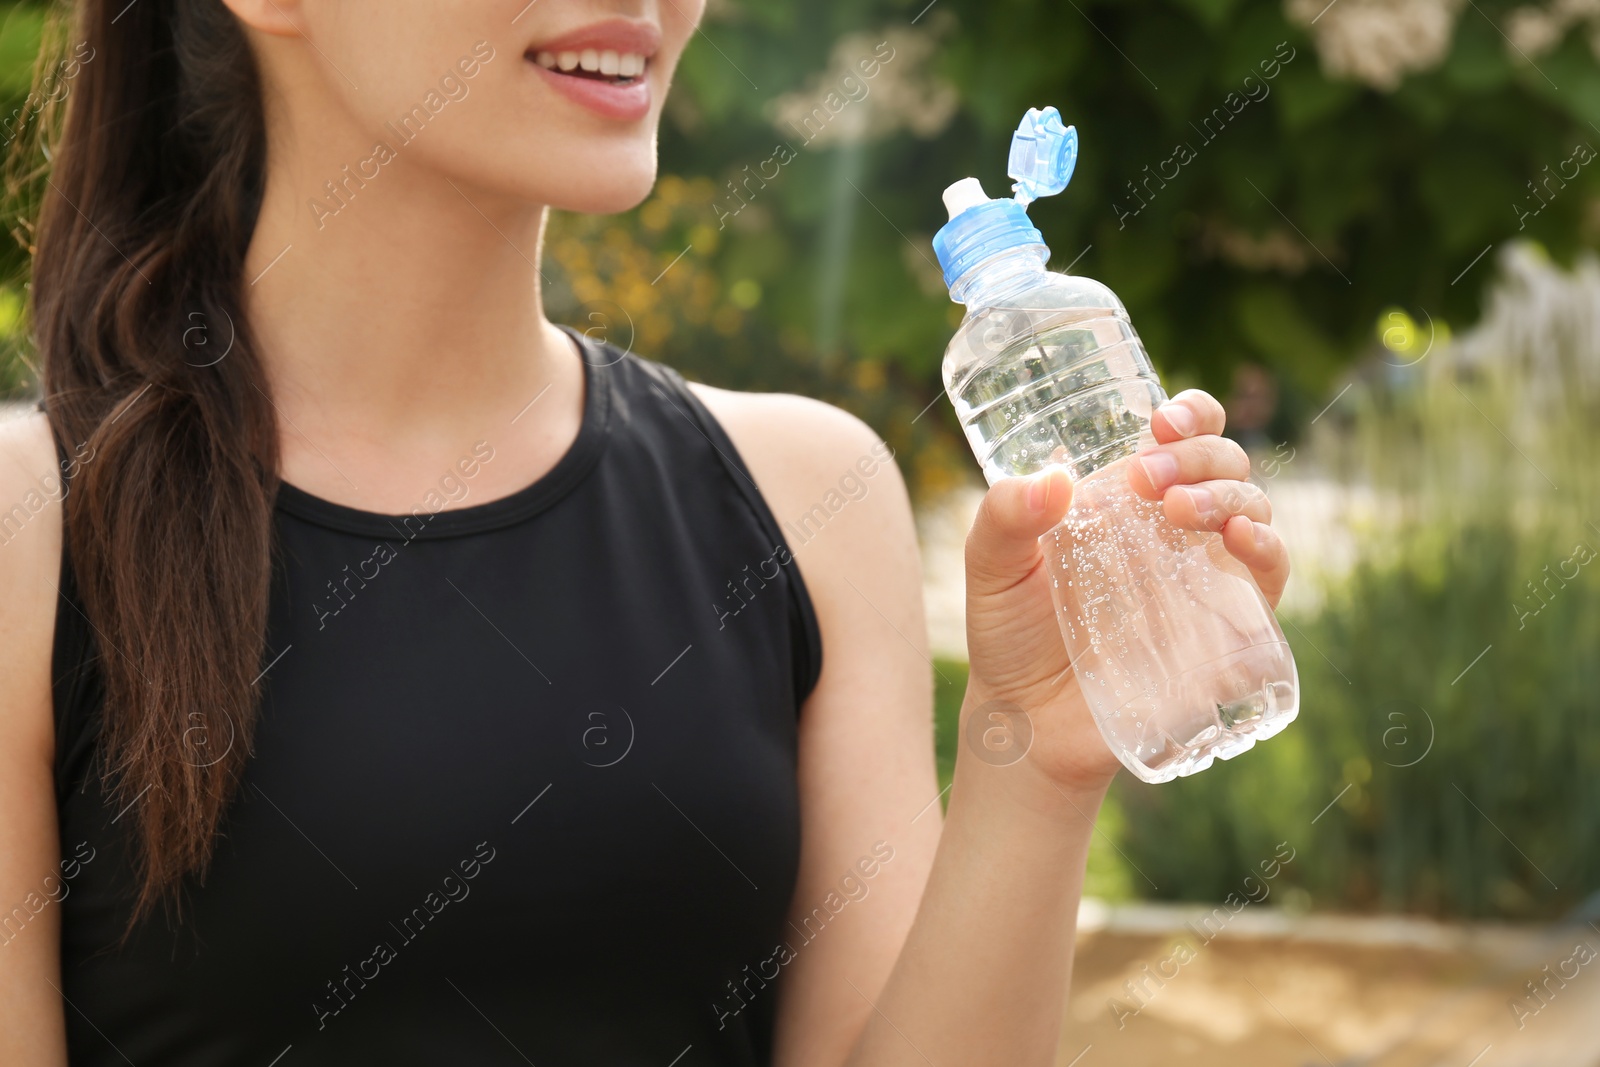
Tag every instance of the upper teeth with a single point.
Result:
(619, 64)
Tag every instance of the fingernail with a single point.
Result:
(1039, 492)
(1204, 502)
(1263, 534)
(1161, 468)
(1180, 418)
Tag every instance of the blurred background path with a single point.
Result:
(1374, 992)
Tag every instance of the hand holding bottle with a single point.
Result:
(1018, 660)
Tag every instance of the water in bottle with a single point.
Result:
(1178, 654)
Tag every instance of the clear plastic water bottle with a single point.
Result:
(1177, 652)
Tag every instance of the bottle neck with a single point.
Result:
(1016, 270)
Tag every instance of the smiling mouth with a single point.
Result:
(615, 68)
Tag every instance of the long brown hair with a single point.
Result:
(151, 178)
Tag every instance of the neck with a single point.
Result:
(1000, 276)
(398, 304)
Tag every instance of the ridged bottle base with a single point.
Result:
(1229, 704)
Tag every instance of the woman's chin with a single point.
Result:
(609, 195)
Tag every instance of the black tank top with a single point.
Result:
(524, 779)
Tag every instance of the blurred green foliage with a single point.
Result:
(949, 688)
(1472, 797)
(1419, 777)
(21, 26)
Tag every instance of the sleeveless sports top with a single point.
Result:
(524, 780)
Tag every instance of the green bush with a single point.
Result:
(1412, 781)
(1444, 759)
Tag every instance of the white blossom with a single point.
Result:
(1378, 42)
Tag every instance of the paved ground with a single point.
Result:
(1331, 991)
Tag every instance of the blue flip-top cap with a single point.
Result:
(980, 232)
(1043, 155)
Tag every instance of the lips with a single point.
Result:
(603, 66)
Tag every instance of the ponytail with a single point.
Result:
(148, 194)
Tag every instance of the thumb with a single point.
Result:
(1003, 545)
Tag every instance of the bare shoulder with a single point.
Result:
(30, 494)
(814, 463)
(837, 493)
(31, 1024)
(30, 560)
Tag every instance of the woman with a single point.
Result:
(364, 704)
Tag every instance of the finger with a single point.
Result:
(1003, 545)
(1260, 548)
(1211, 505)
(1189, 414)
(1199, 459)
